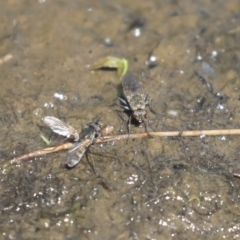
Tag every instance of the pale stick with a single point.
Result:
(193, 133)
(5, 58)
(130, 136)
(41, 152)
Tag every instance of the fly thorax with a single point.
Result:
(89, 132)
(137, 102)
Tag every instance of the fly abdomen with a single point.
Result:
(130, 84)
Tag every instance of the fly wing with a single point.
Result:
(61, 128)
(75, 154)
(130, 84)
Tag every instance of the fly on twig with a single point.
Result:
(134, 99)
(82, 141)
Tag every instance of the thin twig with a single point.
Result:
(174, 134)
(42, 152)
(236, 175)
(128, 136)
(5, 58)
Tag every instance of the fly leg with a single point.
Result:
(122, 120)
(120, 110)
(129, 124)
(145, 121)
(107, 154)
(148, 102)
(92, 165)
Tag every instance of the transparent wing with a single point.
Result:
(61, 128)
(76, 154)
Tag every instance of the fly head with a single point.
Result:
(140, 115)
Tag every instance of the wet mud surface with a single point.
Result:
(186, 54)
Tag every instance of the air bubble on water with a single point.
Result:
(60, 96)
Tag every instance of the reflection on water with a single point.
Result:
(173, 188)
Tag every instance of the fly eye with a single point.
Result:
(96, 135)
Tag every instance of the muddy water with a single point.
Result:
(171, 188)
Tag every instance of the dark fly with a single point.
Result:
(88, 136)
(134, 99)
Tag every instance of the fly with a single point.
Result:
(83, 140)
(134, 99)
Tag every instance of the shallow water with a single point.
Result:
(170, 188)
